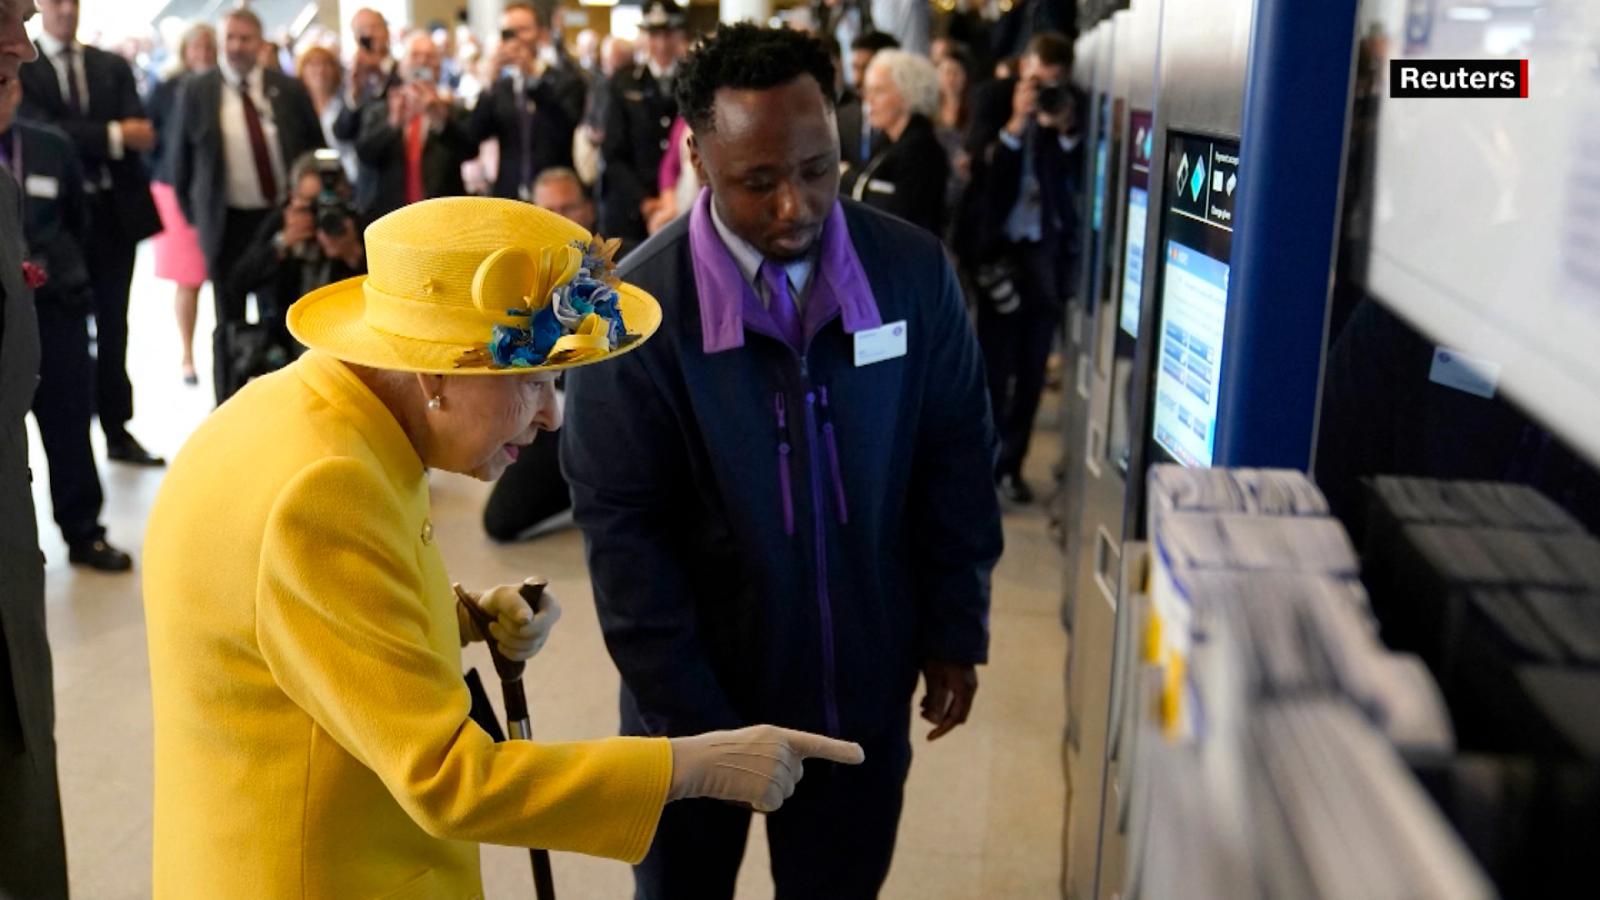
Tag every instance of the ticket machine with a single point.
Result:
(1102, 462)
(1207, 348)
(1093, 64)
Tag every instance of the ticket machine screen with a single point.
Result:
(1141, 138)
(1197, 236)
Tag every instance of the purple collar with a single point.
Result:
(728, 304)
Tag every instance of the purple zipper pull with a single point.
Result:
(780, 411)
(833, 459)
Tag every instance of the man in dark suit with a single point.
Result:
(1020, 230)
(373, 72)
(533, 108)
(55, 227)
(413, 143)
(640, 110)
(33, 855)
(240, 127)
(91, 95)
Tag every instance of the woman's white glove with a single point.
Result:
(758, 766)
(518, 631)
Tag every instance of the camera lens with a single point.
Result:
(1052, 99)
(508, 34)
(331, 222)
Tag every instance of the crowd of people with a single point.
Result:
(209, 150)
(258, 166)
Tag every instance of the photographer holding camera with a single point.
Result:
(534, 106)
(1019, 228)
(312, 241)
(412, 144)
(373, 71)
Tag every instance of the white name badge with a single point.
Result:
(1455, 369)
(46, 187)
(878, 186)
(878, 344)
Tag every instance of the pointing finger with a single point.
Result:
(815, 746)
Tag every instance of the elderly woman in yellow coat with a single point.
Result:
(311, 723)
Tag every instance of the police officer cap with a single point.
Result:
(660, 15)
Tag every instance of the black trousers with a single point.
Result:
(531, 491)
(1016, 349)
(63, 406)
(833, 839)
(110, 264)
(237, 234)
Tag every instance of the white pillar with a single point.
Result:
(758, 11)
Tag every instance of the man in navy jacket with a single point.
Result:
(786, 495)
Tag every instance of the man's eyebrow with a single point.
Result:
(768, 169)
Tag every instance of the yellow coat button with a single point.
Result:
(427, 531)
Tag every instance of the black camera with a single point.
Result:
(366, 42)
(1052, 98)
(508, 34)
(332, 211)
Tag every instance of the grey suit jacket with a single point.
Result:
(25, 698)
(199, 171)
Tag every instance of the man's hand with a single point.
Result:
(399, 108)
(299, 225)
(951, 687)
(366, 64)
(1065, 122)
(430, 99)
(138, 135)
(346, 247)
(513, 53)
(1024, 105)
(518, 632)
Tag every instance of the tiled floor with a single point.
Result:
(983, 813)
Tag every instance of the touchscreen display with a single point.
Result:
(1197, 237)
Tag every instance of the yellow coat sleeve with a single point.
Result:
(343, 626)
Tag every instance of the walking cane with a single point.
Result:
(516, 701)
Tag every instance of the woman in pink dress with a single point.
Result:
(178, 256)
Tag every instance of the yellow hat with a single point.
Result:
(477, 285)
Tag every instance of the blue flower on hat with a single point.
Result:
(525, 347)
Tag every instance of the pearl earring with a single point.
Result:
(436, 403)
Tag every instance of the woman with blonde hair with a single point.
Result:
(312, 729)
(319, 70)
(177, 247)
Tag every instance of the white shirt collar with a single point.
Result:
(234, 79)
(52, 48)
(661, 72)
(749, 260)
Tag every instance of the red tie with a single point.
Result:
(414, 140)
(258, 147)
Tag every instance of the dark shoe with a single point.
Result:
(1014, 490)
(125, 449)
(100, 556)
(189, 376)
